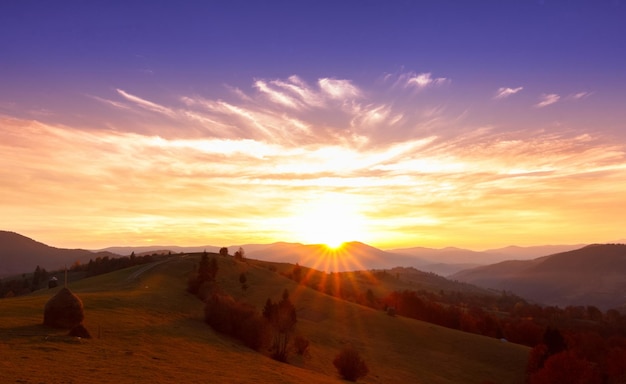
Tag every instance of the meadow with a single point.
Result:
(147, 329)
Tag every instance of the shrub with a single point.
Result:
(239, 320)
(350, 365)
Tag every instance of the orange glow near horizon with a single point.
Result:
(327, 168)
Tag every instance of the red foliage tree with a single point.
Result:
(566, 367)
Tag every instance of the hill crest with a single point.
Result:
(592, 275)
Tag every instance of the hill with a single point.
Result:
(444, 262)
(350, 256)
(592, 275)
(147, 329)
(450, 260)
(20, 254)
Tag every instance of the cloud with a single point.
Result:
(506, 92)
(237, 168)
(424, 80)
(115, 104)
(147, 104)
(339, 89)
(548, 99)
(579, 95)
(276, 96)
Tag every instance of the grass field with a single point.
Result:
(147, 329)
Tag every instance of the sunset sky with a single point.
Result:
(475, 124)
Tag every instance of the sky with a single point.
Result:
(475, 124)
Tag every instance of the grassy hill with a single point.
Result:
(147, 329)
(593, 275)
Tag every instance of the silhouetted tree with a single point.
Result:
(243, 279)
(297, 273)
(224, 251)
(554, 341)
(240, 255)
(282, 317)
(350, 365)
(236, 319)
(36, 278)
(207, 270)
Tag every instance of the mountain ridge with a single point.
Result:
(594, 274)
(21, 254)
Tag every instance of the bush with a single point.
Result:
(239, 320)
(350, 364)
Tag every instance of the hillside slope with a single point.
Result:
(592, 275)
(148, 330)
(20, 254)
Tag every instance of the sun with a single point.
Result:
(331, 220)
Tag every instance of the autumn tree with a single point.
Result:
(566, 367)
(282, 317)
(350, 365)
(240, 255)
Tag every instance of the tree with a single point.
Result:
(240, 255)
(350, 365)
(36, 278)
(224, 251)
(243, 279)
(207, 271)
(566, 367)
(282, 317)
(297, 273)
(554, 341)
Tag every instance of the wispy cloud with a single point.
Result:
(548, 99)
(147, 104)
(339, 89)
(505, 92)
(241, 168)
(579, 95)
(423, 80)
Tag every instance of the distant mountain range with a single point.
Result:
(554, 275)
(20, 254)
(595, 274)
(447, 261)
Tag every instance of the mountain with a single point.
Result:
(524, 253)
(450, 260)
(349, 257)
(592, 275)
(121, 250)
(20, 254)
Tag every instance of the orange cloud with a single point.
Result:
(241, 170)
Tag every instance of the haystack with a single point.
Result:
(63, 310)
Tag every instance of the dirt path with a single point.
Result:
(135, 275)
